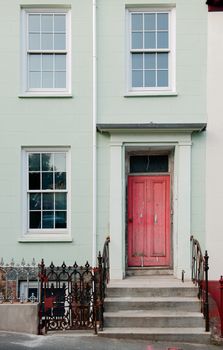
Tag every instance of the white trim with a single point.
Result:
(51, 235)
(25, 91)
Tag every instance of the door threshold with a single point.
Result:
(148, 271)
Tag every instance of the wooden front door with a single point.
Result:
(149, 220)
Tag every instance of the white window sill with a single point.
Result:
(150, 93)
(62, 95)
(45, 237)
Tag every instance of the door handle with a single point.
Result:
(155, 219)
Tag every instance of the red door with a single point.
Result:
(149, 220)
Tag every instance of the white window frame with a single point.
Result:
(171, 89)
(25, 53)
(30, 235)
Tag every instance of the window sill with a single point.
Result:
(45, 238)
(150, 93)
(39, 95)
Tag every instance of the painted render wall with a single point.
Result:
(214, 168)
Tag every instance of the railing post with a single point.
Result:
(221, 303)
(206, 302)
(101, 293)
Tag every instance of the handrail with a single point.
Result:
(199, 276)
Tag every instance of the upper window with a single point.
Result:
(46, 51)
(151, 50)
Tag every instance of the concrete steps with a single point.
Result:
(154, 307)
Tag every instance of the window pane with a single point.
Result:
(150, 61)
(60, 23)
(35, 201)
(34, 80)
(34, 23)
(48, 219)
(137, 21)
(147, 163)
(47, 41)
(47, 23)
(59, 41)
(34, 62)
(137, 78)
(162, 40)
(60, 181)
(162, 21)
(47, 162)
(162, 60)
(60, 162)
(47, 62)
(150, 78)
(61, 201)
(60, 79)
(47, 181)
(34, 41)
(35, 219)
(60, 62)
(162, 78)
(137, 61)
(47, 80)
(137, 40)
(60, 219)
(48, 201)
(149, 21)
(34, 181)
(34, 162)
(150, 40)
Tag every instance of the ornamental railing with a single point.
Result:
(19, 282)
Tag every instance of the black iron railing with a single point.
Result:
(199, 277)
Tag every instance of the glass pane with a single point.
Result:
(61, 201)
(149, 21)
(150, 40)
(34, 162)
(137, 78)
(162, 21)
(47, 80)
(59, 41)
(60, 181)
(162, 40)
(47, 162)
(47, 62)
(162, 78)
(59, 23)
(137, 40)
(150, 61)
(35, 201)
(150, 78)
(47, 181)
(60, 80)
(34, 23)
(35, 219)
(144, 164)
(137, 21)
(60, 162)
(34, 62)
(48, 219)
(47, 42)
(34, 181)
(48, 201)
(137, 61)
(34, 80)
(162, 60)
(47, 23)
(34, 41)
(60, 62)
(60, 219)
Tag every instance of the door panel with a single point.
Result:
(149, 220)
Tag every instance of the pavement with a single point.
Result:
(76, 341)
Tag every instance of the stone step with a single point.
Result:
(153, 318)
(147, 291)
(152, 303)
(184, 335)
(148, 271)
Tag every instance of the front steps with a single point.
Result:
(156, 308)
